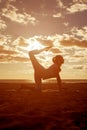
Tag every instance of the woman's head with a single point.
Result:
(58, 59)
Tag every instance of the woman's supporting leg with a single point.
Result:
(37, 79)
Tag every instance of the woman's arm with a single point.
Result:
(39, 51)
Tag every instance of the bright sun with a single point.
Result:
(34, 45)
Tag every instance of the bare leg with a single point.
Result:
(38, 71)
(36, 65)
(59, 83)
(37, 79)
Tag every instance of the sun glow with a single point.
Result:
(34, 45)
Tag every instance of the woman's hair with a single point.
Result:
(58, 60)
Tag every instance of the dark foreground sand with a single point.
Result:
(23, 109)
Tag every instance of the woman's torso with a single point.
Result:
(51, 72)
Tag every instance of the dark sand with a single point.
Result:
(23, 109)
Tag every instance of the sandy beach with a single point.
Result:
(24, 109)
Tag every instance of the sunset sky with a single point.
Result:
(34, 24)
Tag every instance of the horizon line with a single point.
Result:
(44, 81)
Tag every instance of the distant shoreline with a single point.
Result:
(25, 81)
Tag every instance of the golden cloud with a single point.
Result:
(60, 4)
(4, 58)
(3, 51)
(77, 7)
(55, 50)
(58, 15)
(2, 24)
(1, 47)
(11, 54)
(78, 67)
(21, 41)
(45, 42)
(81, 32)
(74, 42)
(12, 13)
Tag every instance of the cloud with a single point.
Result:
(11, 54)
(1, 47)
(3, 39)
(17, 51)
(66, 24)
(9, 58)
(60, 4)
(80, 67)
(80, 32)
(55, 50)
(21, 41)
(45, 42)
(74, 42)
(6, 49)
(12, 13)
(22, 59)
(80, 53)
(58, 15)
(79, 1)
(77, 7)
(2, 24)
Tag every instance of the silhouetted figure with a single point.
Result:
(42, 73)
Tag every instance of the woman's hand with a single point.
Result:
(34, 52)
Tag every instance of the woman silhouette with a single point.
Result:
(42, 73)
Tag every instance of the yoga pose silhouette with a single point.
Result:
(42, 73)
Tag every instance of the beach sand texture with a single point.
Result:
(24, 109)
